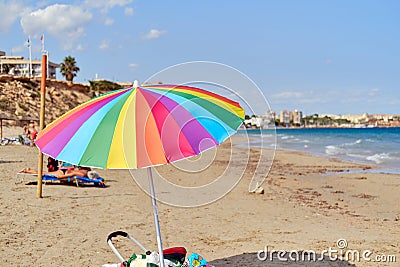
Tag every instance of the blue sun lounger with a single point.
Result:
(78, 179)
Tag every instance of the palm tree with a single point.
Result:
(68, 68)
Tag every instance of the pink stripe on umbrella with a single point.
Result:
(175, 144)
(194, 132)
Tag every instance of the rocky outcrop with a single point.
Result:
(20, 98)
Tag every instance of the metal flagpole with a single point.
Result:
(30, 57)
(42, 39)
(155, 213)
(47, 54)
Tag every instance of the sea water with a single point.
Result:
(376, 146)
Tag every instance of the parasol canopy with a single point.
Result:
(140, 127)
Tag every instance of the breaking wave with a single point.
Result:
(383, 157)
(335, 150)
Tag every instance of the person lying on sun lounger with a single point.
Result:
(63, 173)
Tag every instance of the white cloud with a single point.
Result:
(128, 11)
(9, 13)
(104, 44)
(105, 5)
(79, 47)
(352, 100)
(109, 22)
(154, 34)
(66, 22)
(133, 65)
(311, 100)
(394, 102)
(373, 91)
(287, 95)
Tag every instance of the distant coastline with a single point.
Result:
(332, 127)
(270, 127)
(364, 120)
(378, 146)
(295, 119)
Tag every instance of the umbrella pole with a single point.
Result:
(155, 213)
(41, 124)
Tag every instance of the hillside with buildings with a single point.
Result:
(20, 101)
(287, 118)
(20, 98)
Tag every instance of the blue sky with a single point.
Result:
(316, 56)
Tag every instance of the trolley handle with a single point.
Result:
(126, 235)
(116, 234)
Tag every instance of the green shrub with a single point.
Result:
(103, 86)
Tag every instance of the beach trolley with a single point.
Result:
(173, 257)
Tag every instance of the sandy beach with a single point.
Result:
(309, 203)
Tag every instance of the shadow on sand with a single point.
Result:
(251, 259)
(9, 161)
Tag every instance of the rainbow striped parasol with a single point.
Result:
(140, 127)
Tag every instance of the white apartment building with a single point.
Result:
(284, 117)
(269, 117)
(296, 117)
(18, 66)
